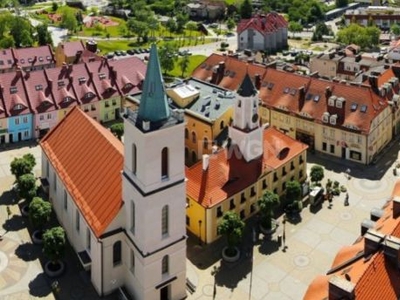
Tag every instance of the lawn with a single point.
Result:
(194, 61)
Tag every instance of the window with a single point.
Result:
(55, 181)
(239, 103)
(26, 133)
(219, 211)
(48, 116)
(88, 239)
(41, 117)
(193, 137)
(117, 249)
(205, 143)
(242, 198)
(165, 265)
(164, 163)
(264, 184)
(275, 177)
(186, 153)
(164, 220)
(252, 192)
(77, 221)
(65, 201)
(300, 173)
(252, 208)
(16, 121)
(107, 104)
(283, 186)
(93, 107)
(221, 125)
(332, 149)
(301, 159)
(324, 145)
(133, 221)
(187, 221)
(114, 102)
(132, 267)
(134, 158)
(232, 204)
(194, 157)
(291, 166)
(186, 133)
(284, 171)
(242, 214)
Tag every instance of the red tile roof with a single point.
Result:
(83, 83)
(374, 275)
(39, 92)
(13, 93)
(270, 22)
(6, 59)
(70, 48)
(228, 173)
(104, 79)
(34, 56)
(88, 159)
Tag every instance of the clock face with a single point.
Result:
(254, 118)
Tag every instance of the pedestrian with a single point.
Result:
(346, 200)
(8, 212)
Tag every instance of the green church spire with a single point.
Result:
(153, 103)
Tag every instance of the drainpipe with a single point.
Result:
(102, 269)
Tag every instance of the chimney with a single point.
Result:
(18, 72)
(387, 66)
(331, 55)
(357, 58)
(206, 161)
(302, 97)
(391, 249)
(376, 214)
(221, 68)
(341, 288)
(372, 241)
(314, 74)
(366, 225)
(396, 207)
(257, 81)
(328, 92)
(373, 81)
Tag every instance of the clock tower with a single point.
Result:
(246, 131)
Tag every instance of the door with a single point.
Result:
(10, 138)
(343, 152)
(2, 139)
(19, 136)
(116, 113)
(164, 293)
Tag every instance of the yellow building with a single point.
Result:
(234, 178)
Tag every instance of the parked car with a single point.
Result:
(123, 53)
(130, 52)
(110, 55)
(118, 53)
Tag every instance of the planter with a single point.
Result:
(267, 231)
(37, 237)
(25, 210)
(54, 269)
(229, 258)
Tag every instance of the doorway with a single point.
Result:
(19, 136)
(10, 138)
(343, 152)
(164, 293)
(2, 139)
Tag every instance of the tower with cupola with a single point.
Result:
(246, 132)
(154, 193)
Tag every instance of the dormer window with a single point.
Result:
(18, 107)
(40, 58)
(48, 58)
(81, 79)
(38, 87)
(88, 95)
(339, 103)
(102, 76)
(30, 60)
(128, 86)
(325, 117)
(60, 83)
(13, 90)
(333, 119)
(67, 99)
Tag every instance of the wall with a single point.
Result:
(324, 67)
(20, 125)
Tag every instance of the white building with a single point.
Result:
(123, 206)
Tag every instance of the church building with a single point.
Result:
(123, 205)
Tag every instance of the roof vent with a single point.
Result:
(396, 207)
(206, 161)
(146, 125)
(372, 240)
(341, 288)
(391, 249)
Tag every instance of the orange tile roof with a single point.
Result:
(88, 159)
(374, 276)
(228, 173)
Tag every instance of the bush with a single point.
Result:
(343, 189)
(336, 184)
(54, 243)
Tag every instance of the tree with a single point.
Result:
(167, 55)
(68, 19)
(54, 244)
(43, 35)
(362, 36)
(316, 173)
(320, 30)
(230, 24)
(395, 29)
(7, 42)
(341, 3)
(295, 27)
(191, 26)
(184, 64)
(171, 25)
(266, 205)
(232, 227)
(22, 165)
(293, 191)
(118, 130)
(39, 212)
(246, 9)
(27, 187)
(22, 32)
(181, 20)
(153, 25)
(54, 6)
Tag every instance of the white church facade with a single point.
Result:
(123, 205)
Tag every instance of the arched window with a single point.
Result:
(164, 163)
(239, 103)
(194, 157)
(117, 253)
(193, 137)
(186, 153)
(221, 125)
(164, 220)
(165, 265)
(205, 143)
(186, 133)
(134, 158)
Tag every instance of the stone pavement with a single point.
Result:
(312, 241)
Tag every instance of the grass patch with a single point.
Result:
(194, 61)
(111, 46)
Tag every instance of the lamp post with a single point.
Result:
(200, 221)
(284, 231)
(214, 273)
(254, 240)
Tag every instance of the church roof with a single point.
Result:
(153, 105)
(88, 159)
(247, 88)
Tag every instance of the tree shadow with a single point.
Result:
(230, 274)
(293, 218)
(8, 198)
(39, 286)
(269, 246)
(15, 223)
(28, 251)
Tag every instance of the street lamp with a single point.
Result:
(200, 221)
(254, 240)
(284, 232)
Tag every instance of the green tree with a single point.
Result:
(54, 244)
(171, 26)
(43, 35)
(167, 55)
(232, 227)
(27, 187)
(295, 27)
(316, 173)
(293, 191)
(246, 9)
(68, 20)
(230, 24)
(395, 29)
(54, 6)
(39, 212)
(7, 42)
(21, 30)
(22, 165)
(153, 25)
(320, 30)
(362, 36)
(118, 130)
(191, 26)
(5, 22)
(266, 205)
(341, 3)
(184, 64)
(181, 20)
